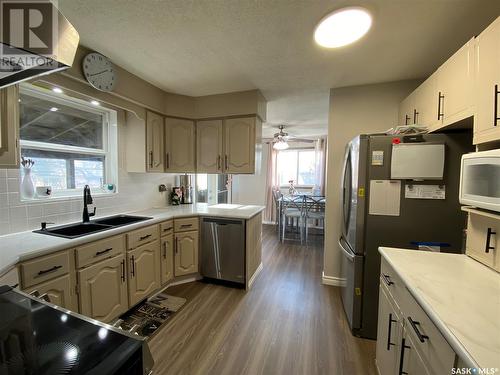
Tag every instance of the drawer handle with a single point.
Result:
(387, 279)
(123, 270)
(132, 264)
(43, 272)
(186, 225)
(415, 326)
(389, 343)
(144, 237)
(167, 229)
(103, 251)
(402, 357)
(488, 240)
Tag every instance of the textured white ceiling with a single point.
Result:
(200, 47)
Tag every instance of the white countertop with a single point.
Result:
(460, 295)
(25, 245)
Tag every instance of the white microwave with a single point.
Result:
(480, 180)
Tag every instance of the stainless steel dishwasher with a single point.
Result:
(223, 249)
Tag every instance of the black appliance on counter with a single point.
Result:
(39, 338)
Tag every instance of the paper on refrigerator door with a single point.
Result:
(385, 197)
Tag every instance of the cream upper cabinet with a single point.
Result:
(102, 289)
(406, 110)
(209, 146)
(186, 253)
(180, 145)
(455, 82)
(167, 258)
(57, 291)
(154, 142)
(144, 271)
(239, 145)
(9, 127)
(426, 102)
(487, 85)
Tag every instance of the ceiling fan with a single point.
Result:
(280, 140)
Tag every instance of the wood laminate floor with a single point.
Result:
(288, 323)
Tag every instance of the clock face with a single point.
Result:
(99, 71)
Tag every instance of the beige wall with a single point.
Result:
(353, 110)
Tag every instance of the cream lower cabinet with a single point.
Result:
(103, 289)
(143, 271)
(167, 258)
(9, 127)
(487, 85)
(389, 332)
(57, 291)
(180, 145)
(186, 253)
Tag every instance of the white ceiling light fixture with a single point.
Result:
(343, 27)
(281, 144)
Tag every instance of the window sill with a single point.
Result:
(66, 197)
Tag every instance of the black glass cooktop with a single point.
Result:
(36, 338)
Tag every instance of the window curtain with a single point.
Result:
(271, 183)
(320, 148)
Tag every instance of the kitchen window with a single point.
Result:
(298, 165)
(72, 142)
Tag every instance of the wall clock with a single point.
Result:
(99, 71)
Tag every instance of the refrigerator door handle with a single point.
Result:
(348, 254)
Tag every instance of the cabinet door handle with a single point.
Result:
(177, 245)
(488, 240)
(168, 160)
(415, 116)
(132, 264)
(151, 159)
(440, 107)
(415, 326)
(218, 162)
(165, 250)
(123, 270)
(389, 330)
(144, 237)
(225, 161)
(103, 251)
(387, 279)
(407, 120)
(402, 357)
(52, 269)
(496, 118)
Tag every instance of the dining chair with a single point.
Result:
(314, 208)
(293, 208)
(278, 197)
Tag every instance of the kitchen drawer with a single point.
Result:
(44, 268)
(186, 224)
(166, 227)
(428, 341)
(483, 242)
(394, 284)
(96, 251)
(142, 236)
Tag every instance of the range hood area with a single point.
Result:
(19, 62)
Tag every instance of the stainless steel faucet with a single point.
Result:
(87, 199)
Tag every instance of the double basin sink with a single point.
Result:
(99, 225)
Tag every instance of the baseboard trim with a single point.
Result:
(331, 280)
(255, 274)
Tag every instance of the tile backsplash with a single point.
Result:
(136, 191)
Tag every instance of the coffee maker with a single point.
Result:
(186, 189)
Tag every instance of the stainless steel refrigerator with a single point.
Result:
(416, 215)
